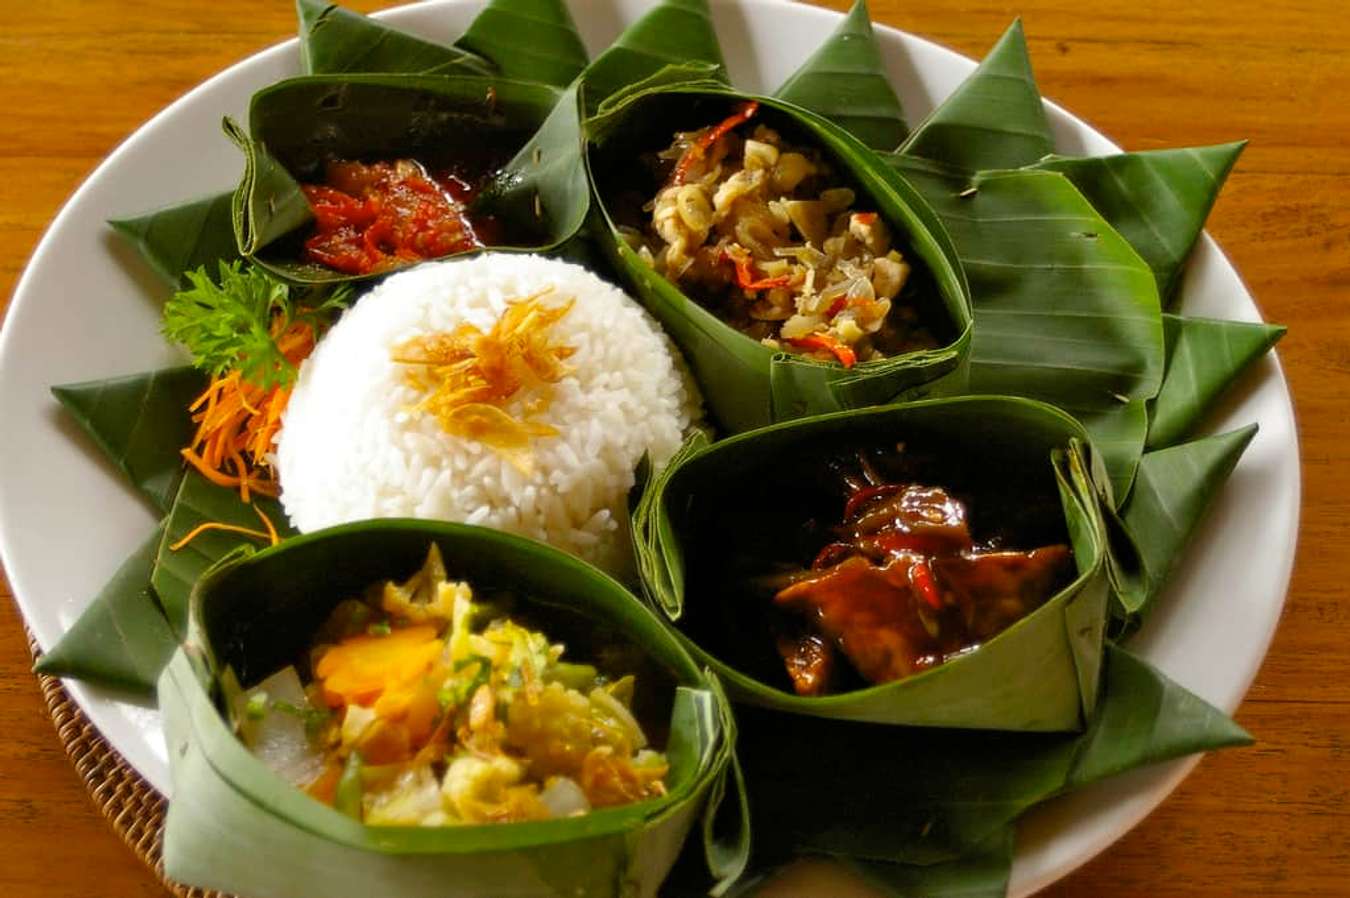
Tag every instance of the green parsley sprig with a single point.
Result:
(228, 324)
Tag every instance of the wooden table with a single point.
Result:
(78, 76)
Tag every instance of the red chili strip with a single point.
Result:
(909, 544)
(700, 147)
(745, 272)
(921, 577)
(845, 354)
(831, 555)
(866, 494)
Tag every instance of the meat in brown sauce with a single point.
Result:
(904, 587)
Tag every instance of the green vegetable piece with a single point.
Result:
(673, 33)
(140, 423)
(183, 237)
(336, 40)
(1157, 200)
(995, 119)
(256, 707)
(1204, 357)
(347, 800)
(1173, 489)
(580, 677)
(530, 40)
(122, 640)
(845, 81)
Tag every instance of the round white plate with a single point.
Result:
(88, 308)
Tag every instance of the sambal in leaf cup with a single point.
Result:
(939, 563)
(349, 177)
(526, 634)
(799, 274)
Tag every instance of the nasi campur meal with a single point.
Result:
(866, 582)
(768, 235)
(424, 703)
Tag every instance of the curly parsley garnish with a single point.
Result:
(233, 324)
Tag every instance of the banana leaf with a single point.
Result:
(1174, 488)
(529, 40)
(691, 536)
(673, 33)
(334, 40)
(122, 640)
(140, 422)
(995, 119)
(745, 383)
(183, 237)
(237, 826)
(1065, 309)
(545, 182)
(983, 873)
(925, 796)
(199, 502)
(1204, 357)
(1157, 200)
(296, 125)
(845, 82)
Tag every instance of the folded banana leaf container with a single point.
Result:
(480, 124)
(750, 497)
(745, 383)
(235, 825)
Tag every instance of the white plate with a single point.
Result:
(87, 308)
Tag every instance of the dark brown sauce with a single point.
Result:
(867, 567)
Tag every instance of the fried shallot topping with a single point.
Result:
(470, 379)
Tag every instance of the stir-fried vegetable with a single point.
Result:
(766, 234)
(429, 708)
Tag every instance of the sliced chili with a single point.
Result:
(844, 353)
(699, 148)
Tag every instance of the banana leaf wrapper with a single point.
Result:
(1040, 674)
(745, 383)
(235, 825)
(298, 124)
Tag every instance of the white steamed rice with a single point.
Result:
(350, 448)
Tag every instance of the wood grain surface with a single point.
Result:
(78, 76)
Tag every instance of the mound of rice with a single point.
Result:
(350, 448)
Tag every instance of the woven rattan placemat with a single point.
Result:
(130, 804)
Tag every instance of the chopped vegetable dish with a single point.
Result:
(768, 236)
(428, 707)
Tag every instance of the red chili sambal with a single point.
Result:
(375, 217)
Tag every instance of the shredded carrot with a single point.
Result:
(237, 423)
(271, 535)
(216, 525)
